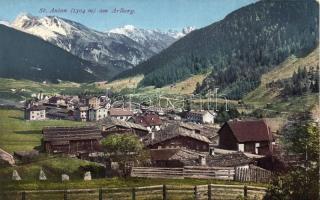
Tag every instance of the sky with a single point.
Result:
(104, 15)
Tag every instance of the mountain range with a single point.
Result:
(238, 49)
(122, 47)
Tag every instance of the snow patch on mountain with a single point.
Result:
(155, 40)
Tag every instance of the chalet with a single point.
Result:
(201, 117)
(81, 113)
(96, 113)
(35, 112)
(252, 136)
(151, 121)
(173, 136)
(71, 140)
(176, 157)
(120, 113)
(112, 126)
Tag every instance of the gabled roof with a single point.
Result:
(120, 112)
(249, 131)
(111, 122)
(174, 154)
(71, 133)
(148, 119)
(229, 160)
(172, 131)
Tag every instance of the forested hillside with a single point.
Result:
(238, 49)
(24, 56)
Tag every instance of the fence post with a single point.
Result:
(23, 195)
(100, 194)
(245, 192)
(209, 192)
(164, 192)
(133, 193)
(195, 193)
(65, 196)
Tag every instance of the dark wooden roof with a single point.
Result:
(185, 156)
(173, 154)
(249, 131)
(229, 160)
(172, 131)
(71, 133)
(36, 108)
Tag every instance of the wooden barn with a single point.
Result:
(118, 126)
(252, 136)
(71, 140)
(174, 136)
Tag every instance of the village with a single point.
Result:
(180, 143)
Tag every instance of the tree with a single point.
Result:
(301, 182)
(123, 148)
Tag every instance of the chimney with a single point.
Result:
(202, 160)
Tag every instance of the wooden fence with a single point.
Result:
(253, 174)
(223, 173)
(158, 192)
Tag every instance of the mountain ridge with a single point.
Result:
(245, 44)
(121, 50)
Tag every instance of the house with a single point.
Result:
(81, 113)
(252, 136)
(90, 101)
(96, 113)
(175, 157)
(201, 117)
(120, 113)
(57, 100)
(151, 121)
(117, 126)
(173, 136)
(35, 112)
(71, 140)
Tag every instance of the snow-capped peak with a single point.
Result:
(188, 29)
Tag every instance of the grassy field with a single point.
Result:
(113, 183)
(16, 134)
(262, 95)
(118, 85)
(184, 87)
(13, 91)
